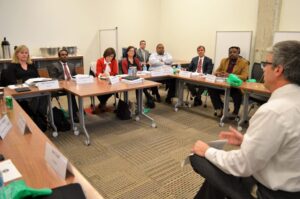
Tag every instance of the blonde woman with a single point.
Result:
(20, 70)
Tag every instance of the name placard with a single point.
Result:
(114, 80)
(22, 124)
(56, 160)
(5, 126)
(53, 84)
(210, 78)
(185, 74)
(84, 79)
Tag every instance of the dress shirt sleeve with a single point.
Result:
(261, 142)
(168, 59)
(154, 60)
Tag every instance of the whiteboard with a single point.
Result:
(108, 38)
(285, 35)
(226, 39)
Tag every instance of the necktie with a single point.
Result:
(199, 67)
(67, 74)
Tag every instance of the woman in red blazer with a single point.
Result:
(106, 66)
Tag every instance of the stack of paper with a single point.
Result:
(136, 81)
(9, 171)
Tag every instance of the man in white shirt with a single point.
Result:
(269, 154)
(158, 61)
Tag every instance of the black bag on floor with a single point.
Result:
(123, 111)
(60, 120)
(150, 103)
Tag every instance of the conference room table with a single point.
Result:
(248, 88)
(35, 92)
(201, 81)
(103, 87)
(27, 152)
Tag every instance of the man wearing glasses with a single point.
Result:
(269, 153)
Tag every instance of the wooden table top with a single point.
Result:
(27, 153)
(202, 80)
(254, 87)
(102, 87)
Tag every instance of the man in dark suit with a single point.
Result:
(143, 54)
(63, 70)
(200, 64)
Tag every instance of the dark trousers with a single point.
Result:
(74, 105)
(236, 94)
(218, 184)
(103, 98)
(170, 86)
(195, 90)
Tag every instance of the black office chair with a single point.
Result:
(257, 73)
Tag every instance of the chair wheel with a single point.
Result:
(153, 125)
(205, 106)
(55, 134)
(221, 124)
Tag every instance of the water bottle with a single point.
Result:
(144, 67)
(179, 66)
(2, 104)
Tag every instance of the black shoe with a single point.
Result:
(76, 119)
(197, 101)
(168, 100)
(158, 98)
(218, 112)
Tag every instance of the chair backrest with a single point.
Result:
(93, 68)
(257, 72)
(43, 72)
(79, 70)
(120, 67)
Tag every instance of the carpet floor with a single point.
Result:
(130, 159)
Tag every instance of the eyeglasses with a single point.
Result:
(264, 64)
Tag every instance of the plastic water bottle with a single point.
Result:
(144, 67)
(179, 66)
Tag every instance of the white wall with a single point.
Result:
(51, 23)
(290, 15)
(189, 23)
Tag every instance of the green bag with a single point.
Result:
(18, 190)
(234, 80)
(251, 80)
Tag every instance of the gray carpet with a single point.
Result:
(129, 159)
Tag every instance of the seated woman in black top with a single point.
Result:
(130, 60)
(20, 70)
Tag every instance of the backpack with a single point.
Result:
(60, 120)
(123, 112)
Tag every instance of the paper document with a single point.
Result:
(9, 171)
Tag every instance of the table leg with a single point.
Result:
(140, 109)
(82, 122)
(70, 108)
(245, 111)
(226, 107)
(54, 133)
(180, 94)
